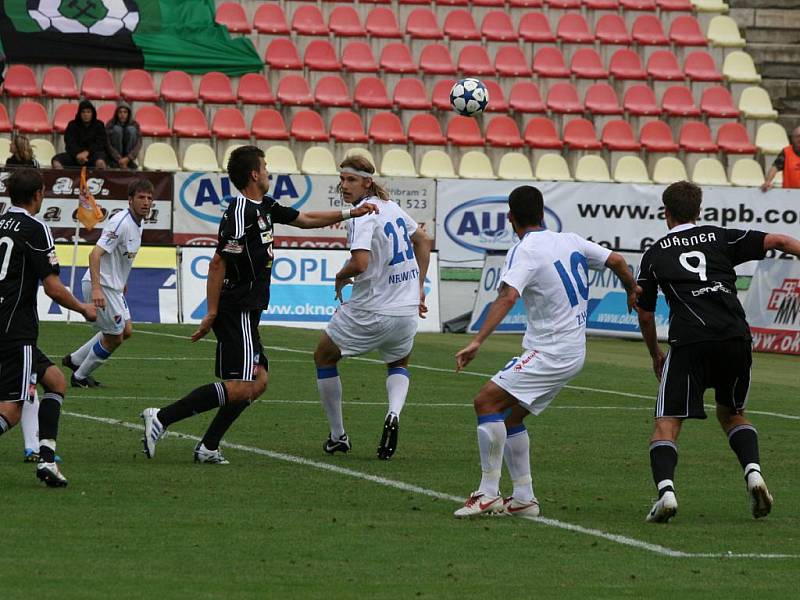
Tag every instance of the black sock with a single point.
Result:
(222, 421)
(744, 442)
(49, 414)
(195, 402)
(663, 460)
(4, 426)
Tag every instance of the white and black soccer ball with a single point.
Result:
(469, 97)
(99, 17)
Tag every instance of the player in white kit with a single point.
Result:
(549, 271)
(105, 283)
(388, 262)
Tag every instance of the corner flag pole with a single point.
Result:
(74, 262)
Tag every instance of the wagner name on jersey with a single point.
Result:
(121, 239)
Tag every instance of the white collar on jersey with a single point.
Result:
(682, 227)
(19, 209)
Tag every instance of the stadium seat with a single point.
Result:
(318, 160)
(497, 99)
(674, 5)
(308, 20)
(718, 102)
(105, 112)
(396, 58)
(357, 57)
(5, 148)
(473, 60)
(498, 27)
(685, 31)
(282, 55)
(747, 173)
(618, 137)
(280, 159)
(625, 64)
(422, 25)
(663, 66)
(597, 5)
(656, 136)
(233, 17)
(177, 86)
(436, 164)
(562, 98)
(510, 61)
(137, 86)
(552, 167)
(525, 98)
(200, 158)
(293, 90)
(361, 151)
(331, 90)
(189, 121)
(63, 114)
(459, 25)
(579, 134)
(631, 169)
(386, 128)
(345, 22)
(754, 103)
(435, 59)
(268, 124)
(699, 65)
(573, 29)
(21, 82)
(43, 151)
(488, 3)
(215, 88)
(638, 5)
(515, 166)
(440, 97)
(601, 99)
(771, 138)
(709, 171)
(669, 169)
(475, 165)
(611, 29)
(647, 31)
(540, 132)
(98, 84)
(347, 127)
(371, 92)
(254, 89)
(535, 27)
(464, 131)
(587, 64)
(592, 168)
(710, 6)
(696, 137)
(738, 67)
(452, 2)
(398, 163)
(563, 4)
(227, 156)
(549, 62)
(382, 23)
(271, 20)
(160, 157)
(307, 126)
(502, 132)
(228, 123)
(724, 32)
(152, 121)
(732, 138)
(640, 100)
(59, 82)
(320, 56)
(410, 94)
(424, 129)
(5, 122)
(31, 117)
(677, 101)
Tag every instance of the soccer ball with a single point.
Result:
(99, 17)
(469, 97)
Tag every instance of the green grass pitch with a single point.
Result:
(277, 523)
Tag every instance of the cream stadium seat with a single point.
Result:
(224, 164)
(436, 164)
(359, 151)
(160, 157)
(755, 104)
(475, 165)
(668, 170)
(5, 150)
(747, 172)
(771, 138)
(710, 6)
(43, 151)
(739, 67)
(280, 159)
(552, 167)
(398, 163)
(592, 168)
(200, 157)
(724, 32)
(318, 160)
(631, 169)
(709, 171)
(515, 165)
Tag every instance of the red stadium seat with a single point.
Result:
(386, 128)
(308, 20)
(677, 101)
(345, 22)
(674, 5)
(502, 132)
(435, 59)
(497, 100)
(293, 90)
(601, 5)
(699, 65)
(320, 56)
(31, 117)
(424, 129)
(611, 29)
(216, 88)
(137, 86)
(732, 138)
(525, 3)
(718, 102)
(282, 55)
(525, 98)
(152, 121)
(189, 121)
(331, 90)
(618, 136)
(534, 27)
(98, 84)
(232, 16)
(5, 122)
(563, 4)
(64, 114)
(307, 126)
(453, 2)
(626, 64)
(271, 20)
(685, 31)
(573, 29)
(489, 3)
(105, 112)
(549, 62)
(473, 60)
(696, 137)
(254, 89)
(464, 131)
(21, 83)
(371, 93)
(440, 97)
(382, 23)
(647, 31)
(413, 2)
(601, 99)
(640, 100)
(498, 27)
(579, 134)
(410, 94)
(177, 86)
(422, 25)
(540, 132)
(656, 136)
(59, 82)
(563, 98)
(347, 127)
(510, 61)
(587, 64)
(357, 57)
(228, 123)
(396, 58)
(640, 5)
(459, 25)
(663, 66)
(268, 124)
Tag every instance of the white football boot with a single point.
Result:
(664, 509)
(760, 498)
(50, 474)
(479, 504)
(153, 431)
(211, 457)
(517, 508)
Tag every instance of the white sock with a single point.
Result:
(81, 353)
(518, 460)
(397, 382)
(491, 440)
(30, 423)
(93, 360)
(329, 385)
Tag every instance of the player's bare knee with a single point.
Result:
(54, 381)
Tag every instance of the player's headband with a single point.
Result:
(353, 171)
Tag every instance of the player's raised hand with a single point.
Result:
(365, 209)
(340, 285)
(204, 328)
(98, 299)
(466, 354)
(89, 312)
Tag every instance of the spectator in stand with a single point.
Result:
(21, 153)
(124, 139)
(787, 161)
(85, 140)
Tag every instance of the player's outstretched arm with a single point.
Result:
(783, 243)
(647, 325)
(617, 263)
(507, 296)
(323, 218)
(767, 185)
(216, 276)
(422, 244)
(61, 295)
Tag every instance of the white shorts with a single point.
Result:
(112, 318)
(358, 332)
(536, 378)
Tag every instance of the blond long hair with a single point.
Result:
(21, 148)
(362, 163)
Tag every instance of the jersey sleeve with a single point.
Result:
(596, 255)
(111, 235)
(231, 236)
(283, 214)
(411, 224)
(517, 271)
(743, 246)
(42, 251)
(646, 279)
(361, 232)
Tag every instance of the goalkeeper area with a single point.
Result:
(286, 520)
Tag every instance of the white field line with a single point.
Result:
(408, 487)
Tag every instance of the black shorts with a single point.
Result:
(690, 370)
(239, 349)
(20, 368)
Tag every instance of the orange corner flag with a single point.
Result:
(89, 214)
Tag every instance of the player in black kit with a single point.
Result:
(27, 255)
(237, 291)
(709, 338)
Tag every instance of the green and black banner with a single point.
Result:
(157, 35)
